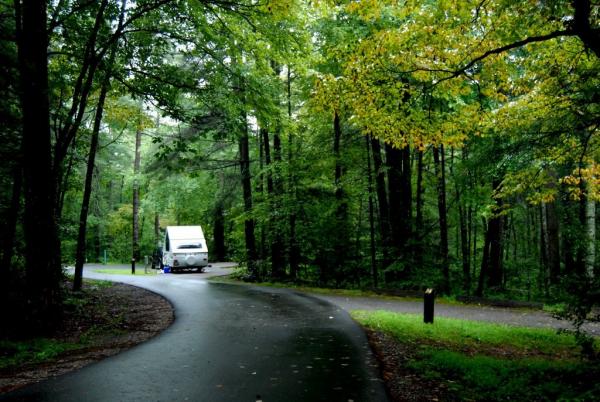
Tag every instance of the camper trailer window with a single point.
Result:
(196, 245)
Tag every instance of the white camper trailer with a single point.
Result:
(184, 248)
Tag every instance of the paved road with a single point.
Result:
(229, 343)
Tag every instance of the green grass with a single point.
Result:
(457, 332)
(115, 271)
(482, 377)
(486, 361)
(17, 353)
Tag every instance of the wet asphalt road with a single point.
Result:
(229, 343)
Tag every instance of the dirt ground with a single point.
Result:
(111, 318)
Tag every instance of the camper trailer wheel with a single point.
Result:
(200, 269)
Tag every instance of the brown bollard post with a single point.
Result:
(428, 303)
(133, 266)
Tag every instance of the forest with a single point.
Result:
(361, 144)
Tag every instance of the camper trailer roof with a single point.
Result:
(185, 232)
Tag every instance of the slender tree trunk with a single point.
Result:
(553, 243)
(262, 250)
(465, 249)
(267, 153)
(418, 251)
(11, 224)
(439, 161)
(62, 184)
(247, 190)
(219, 232)
(475, 252)
(341, 215)
(590, 261)
(485, 261)
(294, 256)
(156, 251)
(543, 276)
(382, 201)
(496, 237)
(277, 247)
(406, 207)
(42, 247)
(374, 271)
(87, 191)
(136, 197)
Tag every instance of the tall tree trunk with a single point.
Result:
(247, 190)
(418, 250)
(590, 261)
(465, 247)
(294, 254)
(136, 197)
(485, 261)
(553, 243)
(374, 271)
(42, 247)
(262, 250)
(87, 191)
(11, 224)
(496, 237)
(341, 214)
(382, 201)
(267, 153)
(156, 254)
(277, 246)
(439, 161)
(397, 197)
(406, 206)
(219, 231)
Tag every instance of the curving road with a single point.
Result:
(229, 343)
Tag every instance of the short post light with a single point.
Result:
(428, 303)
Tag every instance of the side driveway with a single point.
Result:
(501, 315)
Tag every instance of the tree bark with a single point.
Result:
(294, 254)
(382, 201)
(439, 162)
(496, 237)
(219, 231)
(397, 197)
(418, 249)
(341, 239)
(374, 271)
(247, 191)
(277, 247)
(590, 262)
(12, 218)
(135, 254)
(485, 261)
(465, 248)
(87, 191)
(42, 247)
(552, 243)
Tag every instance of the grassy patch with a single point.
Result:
(486, 361)
(483, 377)
(461, 333)
(17, 353)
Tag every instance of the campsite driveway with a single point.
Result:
(229, 343)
